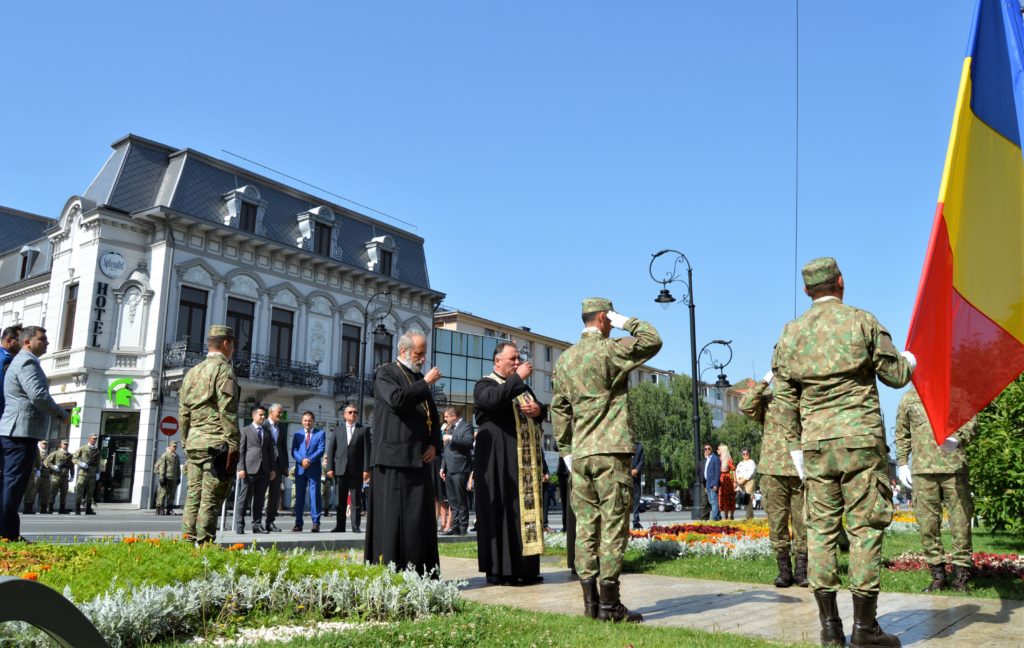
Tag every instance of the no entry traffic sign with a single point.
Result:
(169, 425)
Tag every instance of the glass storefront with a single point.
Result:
(119, 440)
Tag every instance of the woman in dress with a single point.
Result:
(727, 487)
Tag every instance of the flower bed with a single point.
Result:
(986, 565)
(154, 591)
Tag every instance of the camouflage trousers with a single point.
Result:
(784, 504)
(59, 484)
(930, 493)
(847, 475)
(84, 488)
(602, 498)
(165, 495)
(38, 485)
(204, 497)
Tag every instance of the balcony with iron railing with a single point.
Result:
(250, 366)
(347, 386)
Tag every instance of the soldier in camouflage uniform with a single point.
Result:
(939, 476)
(208, 410)
(87, 458)
(591, 425)
(38, 483)
(59, 465)
(781, 484)
(825, 366)
(168, 473)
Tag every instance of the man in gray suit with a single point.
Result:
(276, 428)
(346, 464)
(256, 468)
(28, 406)
(456, 466)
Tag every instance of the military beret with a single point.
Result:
(219, 330)
(820, 270)
(596, 305)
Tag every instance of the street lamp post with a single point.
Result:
(365, 334)
(723, 381)
(666, 299)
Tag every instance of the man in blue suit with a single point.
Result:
(711, 476)
(308, 446)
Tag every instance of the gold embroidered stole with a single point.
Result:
(530, 477)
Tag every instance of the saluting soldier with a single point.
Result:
(59, 465)
(87, 458)
(208, 411)
(168, 472)
(591, 424)
(939, 477)
(825, 365)
(38, 483)
(781, 484)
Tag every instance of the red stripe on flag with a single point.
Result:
(956, 345)
(931, 329)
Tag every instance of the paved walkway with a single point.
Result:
(786, 615)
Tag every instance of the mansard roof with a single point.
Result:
(142, 174)
(21, 227)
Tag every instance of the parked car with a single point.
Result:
(646, 503)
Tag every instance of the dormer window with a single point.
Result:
(322, 239)
(318, 232)
(247, 220)
(382, 256)
(245, 210)
(29, 254)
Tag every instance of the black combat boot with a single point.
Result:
(961, 576)
(831, 625)
(938, 579)
(590, 600)
(785, 577)
(866, 631)
(159, 511)
(611, 608)
(78, 508)
(801, 570)
(28, 510)
(89, 511)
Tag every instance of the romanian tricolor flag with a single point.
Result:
(967, 329)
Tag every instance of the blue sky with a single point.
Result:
(544, 150)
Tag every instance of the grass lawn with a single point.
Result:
(495, 625)
(764, 570)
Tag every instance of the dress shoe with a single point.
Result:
(272, 527)
(240, 531)
(258, 528)
(338, 529)
(89, 511)
(357, 530)
(454, 531)
(315, 529)
(297, 529)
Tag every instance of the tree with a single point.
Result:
(662, 418)
(739, 432)
(996, 459)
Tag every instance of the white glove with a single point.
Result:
(618, 321)
(768, 377)
(911, 359)
(903, 472)
(82, 464)
(568, 462)
(949, 445)
(798, 461)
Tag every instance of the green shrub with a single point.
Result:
(996, 458)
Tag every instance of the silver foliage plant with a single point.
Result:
(151, 613)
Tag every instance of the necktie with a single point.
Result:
(259, 434)
(350, 434)
(307, 438)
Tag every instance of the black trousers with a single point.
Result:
(17, 456)
(349, 486)
(636, 501)
(273, 498)
(705, 504)
(458, 499)
(251, 491)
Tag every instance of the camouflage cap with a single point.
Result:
(596, 305)
(173, 444)
(220, 330)
(820, 270)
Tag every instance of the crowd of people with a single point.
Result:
(823, 458)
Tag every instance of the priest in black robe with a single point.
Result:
(502, 531)
(400, 523)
